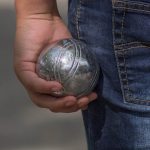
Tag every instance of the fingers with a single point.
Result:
(40, 89)
(92, 96)
(84, 101)
(46, 87)
(39, 85)
(65, 104)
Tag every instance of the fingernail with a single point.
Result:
(68, 104)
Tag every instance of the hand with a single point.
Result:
(33, 33)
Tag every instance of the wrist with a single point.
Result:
(36, 9)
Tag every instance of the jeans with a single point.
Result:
(118, 32)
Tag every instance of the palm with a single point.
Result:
(32, 37)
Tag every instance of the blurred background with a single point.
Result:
(23, 126)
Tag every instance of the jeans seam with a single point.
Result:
(77, 18)
(115, 52)
(124, 81)
(120, 71)
(124, 70)
(113, 24)
(90, 135)
(123, 18)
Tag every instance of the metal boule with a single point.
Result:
(71, 63)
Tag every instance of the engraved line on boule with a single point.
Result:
(77, 58)
(50, 70)
(58, 65)
(57, 61)
(93, 80)
(65, 46)
(74, 61)
(67, 43)
(42, 61)
(74, 64)
(74, 67)
(91, 83)
(48, 64)
(91, 86)
(58, 77)
(71, 68)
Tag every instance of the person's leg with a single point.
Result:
(118, 32)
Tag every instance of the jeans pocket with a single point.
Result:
(131, 35)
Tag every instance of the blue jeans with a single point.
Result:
(118, 31)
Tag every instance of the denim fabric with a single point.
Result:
(118, 32)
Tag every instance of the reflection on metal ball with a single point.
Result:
(71, 63)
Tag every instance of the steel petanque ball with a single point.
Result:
(71, 63)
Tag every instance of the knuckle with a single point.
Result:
(40, 89)
(30, 86)
(35, 88)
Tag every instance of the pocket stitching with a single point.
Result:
(124, 81)
(120, 72)
(132, 43)
(134, 9)
(127, 94)
(125, 49)
(132, 5)
(123, 18)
